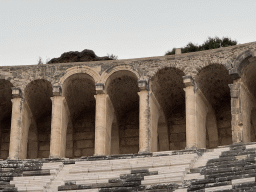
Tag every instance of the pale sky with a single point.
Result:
(126, 28)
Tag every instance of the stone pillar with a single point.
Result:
(20, 123)
(191, 129)
(197, 108)
(103, 122)
(144, 119)
(60, 120)
(237, 120)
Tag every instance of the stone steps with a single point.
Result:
(120, 174)
(37, 180)
(233, 170)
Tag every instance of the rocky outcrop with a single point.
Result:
(76, 56)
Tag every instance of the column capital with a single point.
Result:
(100, 89)
(188, 81)
(16, 92)
(143, 85)
(57, 91)
(234, 74)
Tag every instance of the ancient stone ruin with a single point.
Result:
(185, 122)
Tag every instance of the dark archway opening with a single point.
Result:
(213, 81)
(38, 95)
(79, 91)
(122, 88)
(5, 117)
(167, 86)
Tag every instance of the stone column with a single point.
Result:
(191, 129)
(20, 123)
(60, 119)
(197, 108)
(103, 122)
(237, 119)
(144, 119)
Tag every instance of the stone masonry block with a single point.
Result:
(131, 132)
(178, 128)
(84, 144)
(77, 152)
(69, 144)
(4, 146)
(88, 152)
(132, 141)
(44, 146)
(173, 137)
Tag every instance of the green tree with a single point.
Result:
(210, 43)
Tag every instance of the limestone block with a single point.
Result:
(33, 146)
(6, 137)
(44, 146)
(69, 137)
(69, 144)
(182, 136)
(132, 141)
(88, 152)
(173, 137)
(4, 154)
(224, 124)
(182, 145)
(4, 146)
(43, 137)
(69, 153)
(128, 150)
(77, 153)
(83, 135)
(43, 154)
(131, 132)
(178, 128)
(226, 141)
(122, 142)
(84, 144)
(222, 132)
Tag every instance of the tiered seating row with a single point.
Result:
(120, 174)
(234, 170)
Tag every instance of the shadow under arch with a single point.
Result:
(38, 95)
(167, 87)
(212, 81)
(5, 117)
(248, 96)
(122, 88)
(79, 91)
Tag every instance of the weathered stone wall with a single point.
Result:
(129, 133)
(84, 135)
(224, 125)
(44, 134)
(177, 131)
(207, 71)
(5, 138)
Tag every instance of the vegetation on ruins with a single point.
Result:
(210, 43)
(76, 56)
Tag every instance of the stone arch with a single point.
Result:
(167, 87)
(79, 90)
(247, 97)
(5, 117)
(212, 81)
(78, 69)
(241, 60)
(37, 95)
(155, 71)
(194, 71)
(121, 84)
(107, 75)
